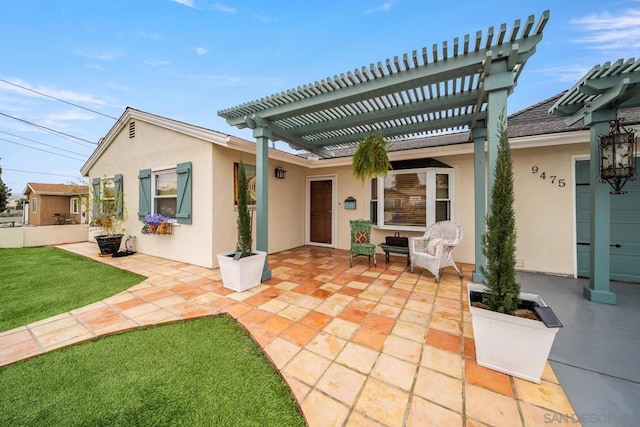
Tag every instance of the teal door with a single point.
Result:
(625, 228)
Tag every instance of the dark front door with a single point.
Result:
(320, 223)
(625, 228)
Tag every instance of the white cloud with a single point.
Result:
(224, 8)
(384, 7)
(68, 115)
(103, 56)
(157, 62)
(201, 51)
(569, 74)
(610, 31)
(67, 95)
(188, 3)
(147, 35)
(262, 18)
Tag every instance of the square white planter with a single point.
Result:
(245, 273)
(509, 344)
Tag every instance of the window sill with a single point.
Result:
(399, 228)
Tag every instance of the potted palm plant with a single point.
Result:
(513, 331)
(242, 268)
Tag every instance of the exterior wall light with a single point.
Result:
(280, 173)
(617, 156)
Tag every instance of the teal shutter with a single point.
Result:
(184, 201)
(117, 180)
(144, 193)
(95, 205)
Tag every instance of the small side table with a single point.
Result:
(388, 249)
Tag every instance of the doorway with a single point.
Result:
(320, 206)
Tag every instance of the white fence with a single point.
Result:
(22, 237)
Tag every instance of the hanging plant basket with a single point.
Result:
(371, 159)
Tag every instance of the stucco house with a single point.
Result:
(54, 204)
(432, 176)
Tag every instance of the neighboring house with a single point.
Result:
(54, 204)
(187, 172)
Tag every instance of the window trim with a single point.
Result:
(154, 173)
(74, 202)
(431, 199)
(34, 205)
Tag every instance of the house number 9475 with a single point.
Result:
(560, 182)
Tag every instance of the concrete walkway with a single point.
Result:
(358, 346)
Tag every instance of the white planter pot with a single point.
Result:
(509, 344)
(242, 274)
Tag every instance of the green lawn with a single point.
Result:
(204, 372)
(36, 283)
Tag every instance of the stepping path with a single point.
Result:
(358, 346)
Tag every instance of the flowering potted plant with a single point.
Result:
(156, 223)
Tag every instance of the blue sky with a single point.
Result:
(187, 59)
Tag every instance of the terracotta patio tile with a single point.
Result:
(382, 323)
(447, 312)
(442, 361)
(547, 395)
(548, 374)
(281, 351)
(488, 378)
(358, 357)
(308, 301)
(19, 350)
(72, 333)
(387, 310)
(159, 294)
(370, 337)
(446, 302)
(275, 325)
(194, 293)
(105, 322)
(444, 340)
(221, 304)
(299, 334)
(223, 291)
(446, 325)
(316, 320)
(419, 306)
(273, 306)
(330, 308)
(341, 328)
(170, 300)
(184, 307)
(134, 301)
(409, 331)
(321, 410)
(402, 348)
(254, 317)
(271, 292)
(490, 407)
(352, 315)
(262, 337)
(156, 317)
(299, 389)
(352, 292)
(536, 416)
(422, 297)
(439, 388)
(362, 304)
(341, 383)
(321, 293)
(419, 318)
(307, 367)
(426, 414)
(56, 325)
(394, 371)
(356, 419)
(326, 345)
(383, 403)
(14, 336)
(125, 325)
(469, 348)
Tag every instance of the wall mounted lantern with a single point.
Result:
(617, 156)
(280, 173)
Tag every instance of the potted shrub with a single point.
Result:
(108, 215)
(371, 159)
(242, 268)
(509, 332)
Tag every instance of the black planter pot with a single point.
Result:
(109, 245)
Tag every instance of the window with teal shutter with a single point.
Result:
(144, 193)
(119, 195)
(184, 199)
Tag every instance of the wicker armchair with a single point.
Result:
(361, 241)
(433, 250)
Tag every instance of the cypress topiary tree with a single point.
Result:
(499, 242)
(244, 218)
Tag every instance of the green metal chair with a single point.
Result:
(361, 241)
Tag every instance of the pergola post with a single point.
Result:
(480, 200)
(262, 135)
(600, 215)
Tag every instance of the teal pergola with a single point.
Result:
(593, 100)
(458, 86)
